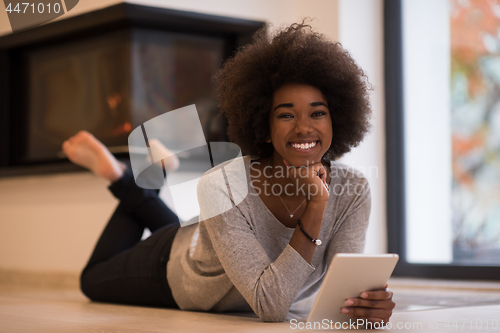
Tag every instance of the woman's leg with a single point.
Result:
(138, 209)
(122, 268)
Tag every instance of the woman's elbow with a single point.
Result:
(276, 315)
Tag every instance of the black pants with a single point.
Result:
(124, 269)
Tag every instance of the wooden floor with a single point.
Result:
(420, 309)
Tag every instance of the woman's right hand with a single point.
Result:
(373, 305)
(312, 179)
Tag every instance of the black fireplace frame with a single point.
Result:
(237, 32)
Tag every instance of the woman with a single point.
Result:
(294, 104)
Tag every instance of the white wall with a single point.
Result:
(275, 11)
(82, 7)
(361, 32)
(50, 223)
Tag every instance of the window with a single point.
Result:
(443, 159)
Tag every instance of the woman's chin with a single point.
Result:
(298, 160)
(304, 162)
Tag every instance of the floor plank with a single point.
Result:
(61, 310)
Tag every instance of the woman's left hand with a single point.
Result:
(373, 306)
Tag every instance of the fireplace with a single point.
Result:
(108, 72)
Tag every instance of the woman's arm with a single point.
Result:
(269, 285)
(312, 177)
(311, 221)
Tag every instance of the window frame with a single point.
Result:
(395, 164)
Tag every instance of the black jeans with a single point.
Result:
(124, 269)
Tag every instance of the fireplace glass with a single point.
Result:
(112, 83)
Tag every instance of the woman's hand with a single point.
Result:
(373, 306)
(312, 178)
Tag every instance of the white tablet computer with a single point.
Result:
(348, 276)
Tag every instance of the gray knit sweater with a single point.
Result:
(241, 260)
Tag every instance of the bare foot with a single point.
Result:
(85, 150)
(160, 152)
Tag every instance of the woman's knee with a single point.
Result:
(86, 285)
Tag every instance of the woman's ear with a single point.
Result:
(268, 138)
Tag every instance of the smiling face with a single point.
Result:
(300, 125)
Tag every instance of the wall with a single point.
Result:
(361, 32)
(52, 222)
(275, 11)
(83, 6)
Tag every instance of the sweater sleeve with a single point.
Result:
(352, 222)
(269, 287)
